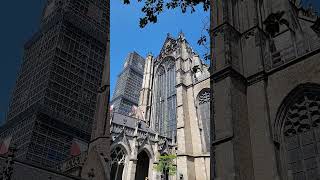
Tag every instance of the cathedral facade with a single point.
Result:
(265, 74)
(172, 118)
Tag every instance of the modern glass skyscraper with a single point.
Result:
(129, 84)
(53, 103)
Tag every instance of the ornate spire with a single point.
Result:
(149, 54)
(181, 35)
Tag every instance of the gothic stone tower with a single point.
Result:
(175, 101)
(266, 89)
(53, 102)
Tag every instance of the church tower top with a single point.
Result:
(181, 35)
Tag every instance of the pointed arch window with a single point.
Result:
(171, 102)
(300, 137)
(118, 157)
(160, 97)
(204, 118)
(164, 103)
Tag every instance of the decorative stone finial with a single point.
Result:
(149, 54)
(181, 35)
(135, 134)
(157, 137)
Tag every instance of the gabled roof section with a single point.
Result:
(172, 44)
(169, 40)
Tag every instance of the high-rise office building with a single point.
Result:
(128, 85)
(53, 103)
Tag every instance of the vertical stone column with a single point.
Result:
(232, 156)
(133, 157)
(182, 125)
(231, 143)
(131, 169)
(145, 93)
(185, 164)
(263, 149)
(192, 119)
(156, 153)
(181, 158)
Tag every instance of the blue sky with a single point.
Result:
(19, 20)
(127, 36)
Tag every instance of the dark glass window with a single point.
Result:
(165, 99)
(204, 117)
(301, 134)
(118, 157)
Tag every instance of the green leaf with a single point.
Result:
(166, 164)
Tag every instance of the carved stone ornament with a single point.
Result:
(273, 23)
(169, 47)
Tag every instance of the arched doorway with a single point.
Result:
(142, 169)
(118, 157)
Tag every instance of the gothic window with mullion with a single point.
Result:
(300, 142)
(165, 99)
(160, 97)
(171, 101)
(203, 108)
(118, 158)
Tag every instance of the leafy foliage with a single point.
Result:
(166, 164)
(204, 42)
(152, 8)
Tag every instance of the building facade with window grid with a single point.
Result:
(56, 89)
(129, 83)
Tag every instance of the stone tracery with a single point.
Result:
(204, 117)
(118, 157)
(165, 101)
(300, 142)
